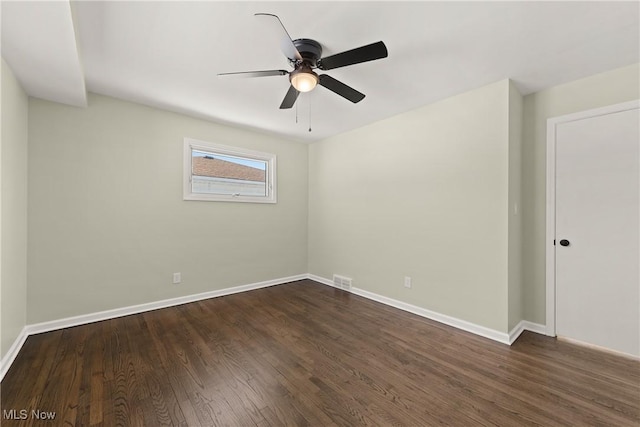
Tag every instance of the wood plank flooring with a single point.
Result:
(304, 354)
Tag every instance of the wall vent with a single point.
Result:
(342, 282)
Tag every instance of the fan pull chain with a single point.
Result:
(309, 114)
(296, 113)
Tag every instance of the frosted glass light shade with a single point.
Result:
(304, 81)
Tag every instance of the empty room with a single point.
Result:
(332, 213)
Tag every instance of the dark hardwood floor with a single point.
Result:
(304, 354)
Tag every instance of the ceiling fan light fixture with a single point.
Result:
(303, 79)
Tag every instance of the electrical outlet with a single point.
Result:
(177, 278)
(407, 282)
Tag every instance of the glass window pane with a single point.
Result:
(214, 173)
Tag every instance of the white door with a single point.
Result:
(597, 231)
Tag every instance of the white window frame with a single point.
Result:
(191, 144)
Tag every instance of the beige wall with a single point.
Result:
(514, 207)
(107, 223)
(13, 210)
(600, 90)
(422, 194)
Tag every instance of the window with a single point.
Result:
(220, 173)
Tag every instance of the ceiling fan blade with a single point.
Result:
(246, 74)
(286, 44)
(358, 55)
(340, 88)
(289, 98)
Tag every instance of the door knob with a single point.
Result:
(564, 242)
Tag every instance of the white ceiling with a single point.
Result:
(39, 42)
(167, 54)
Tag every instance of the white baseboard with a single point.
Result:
(599, 348)
(482, 331)
(525, 325)
(515, 332)
(7, 360)
(492, 334)
(438, 317)
(320, 280)
(535, 327)
(68, 322)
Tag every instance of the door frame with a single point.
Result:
(550, 248)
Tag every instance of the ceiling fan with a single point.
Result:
(305, 55)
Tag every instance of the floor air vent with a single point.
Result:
(342, 282)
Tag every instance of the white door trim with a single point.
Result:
(552, 123)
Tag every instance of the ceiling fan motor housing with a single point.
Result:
(310, 50)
